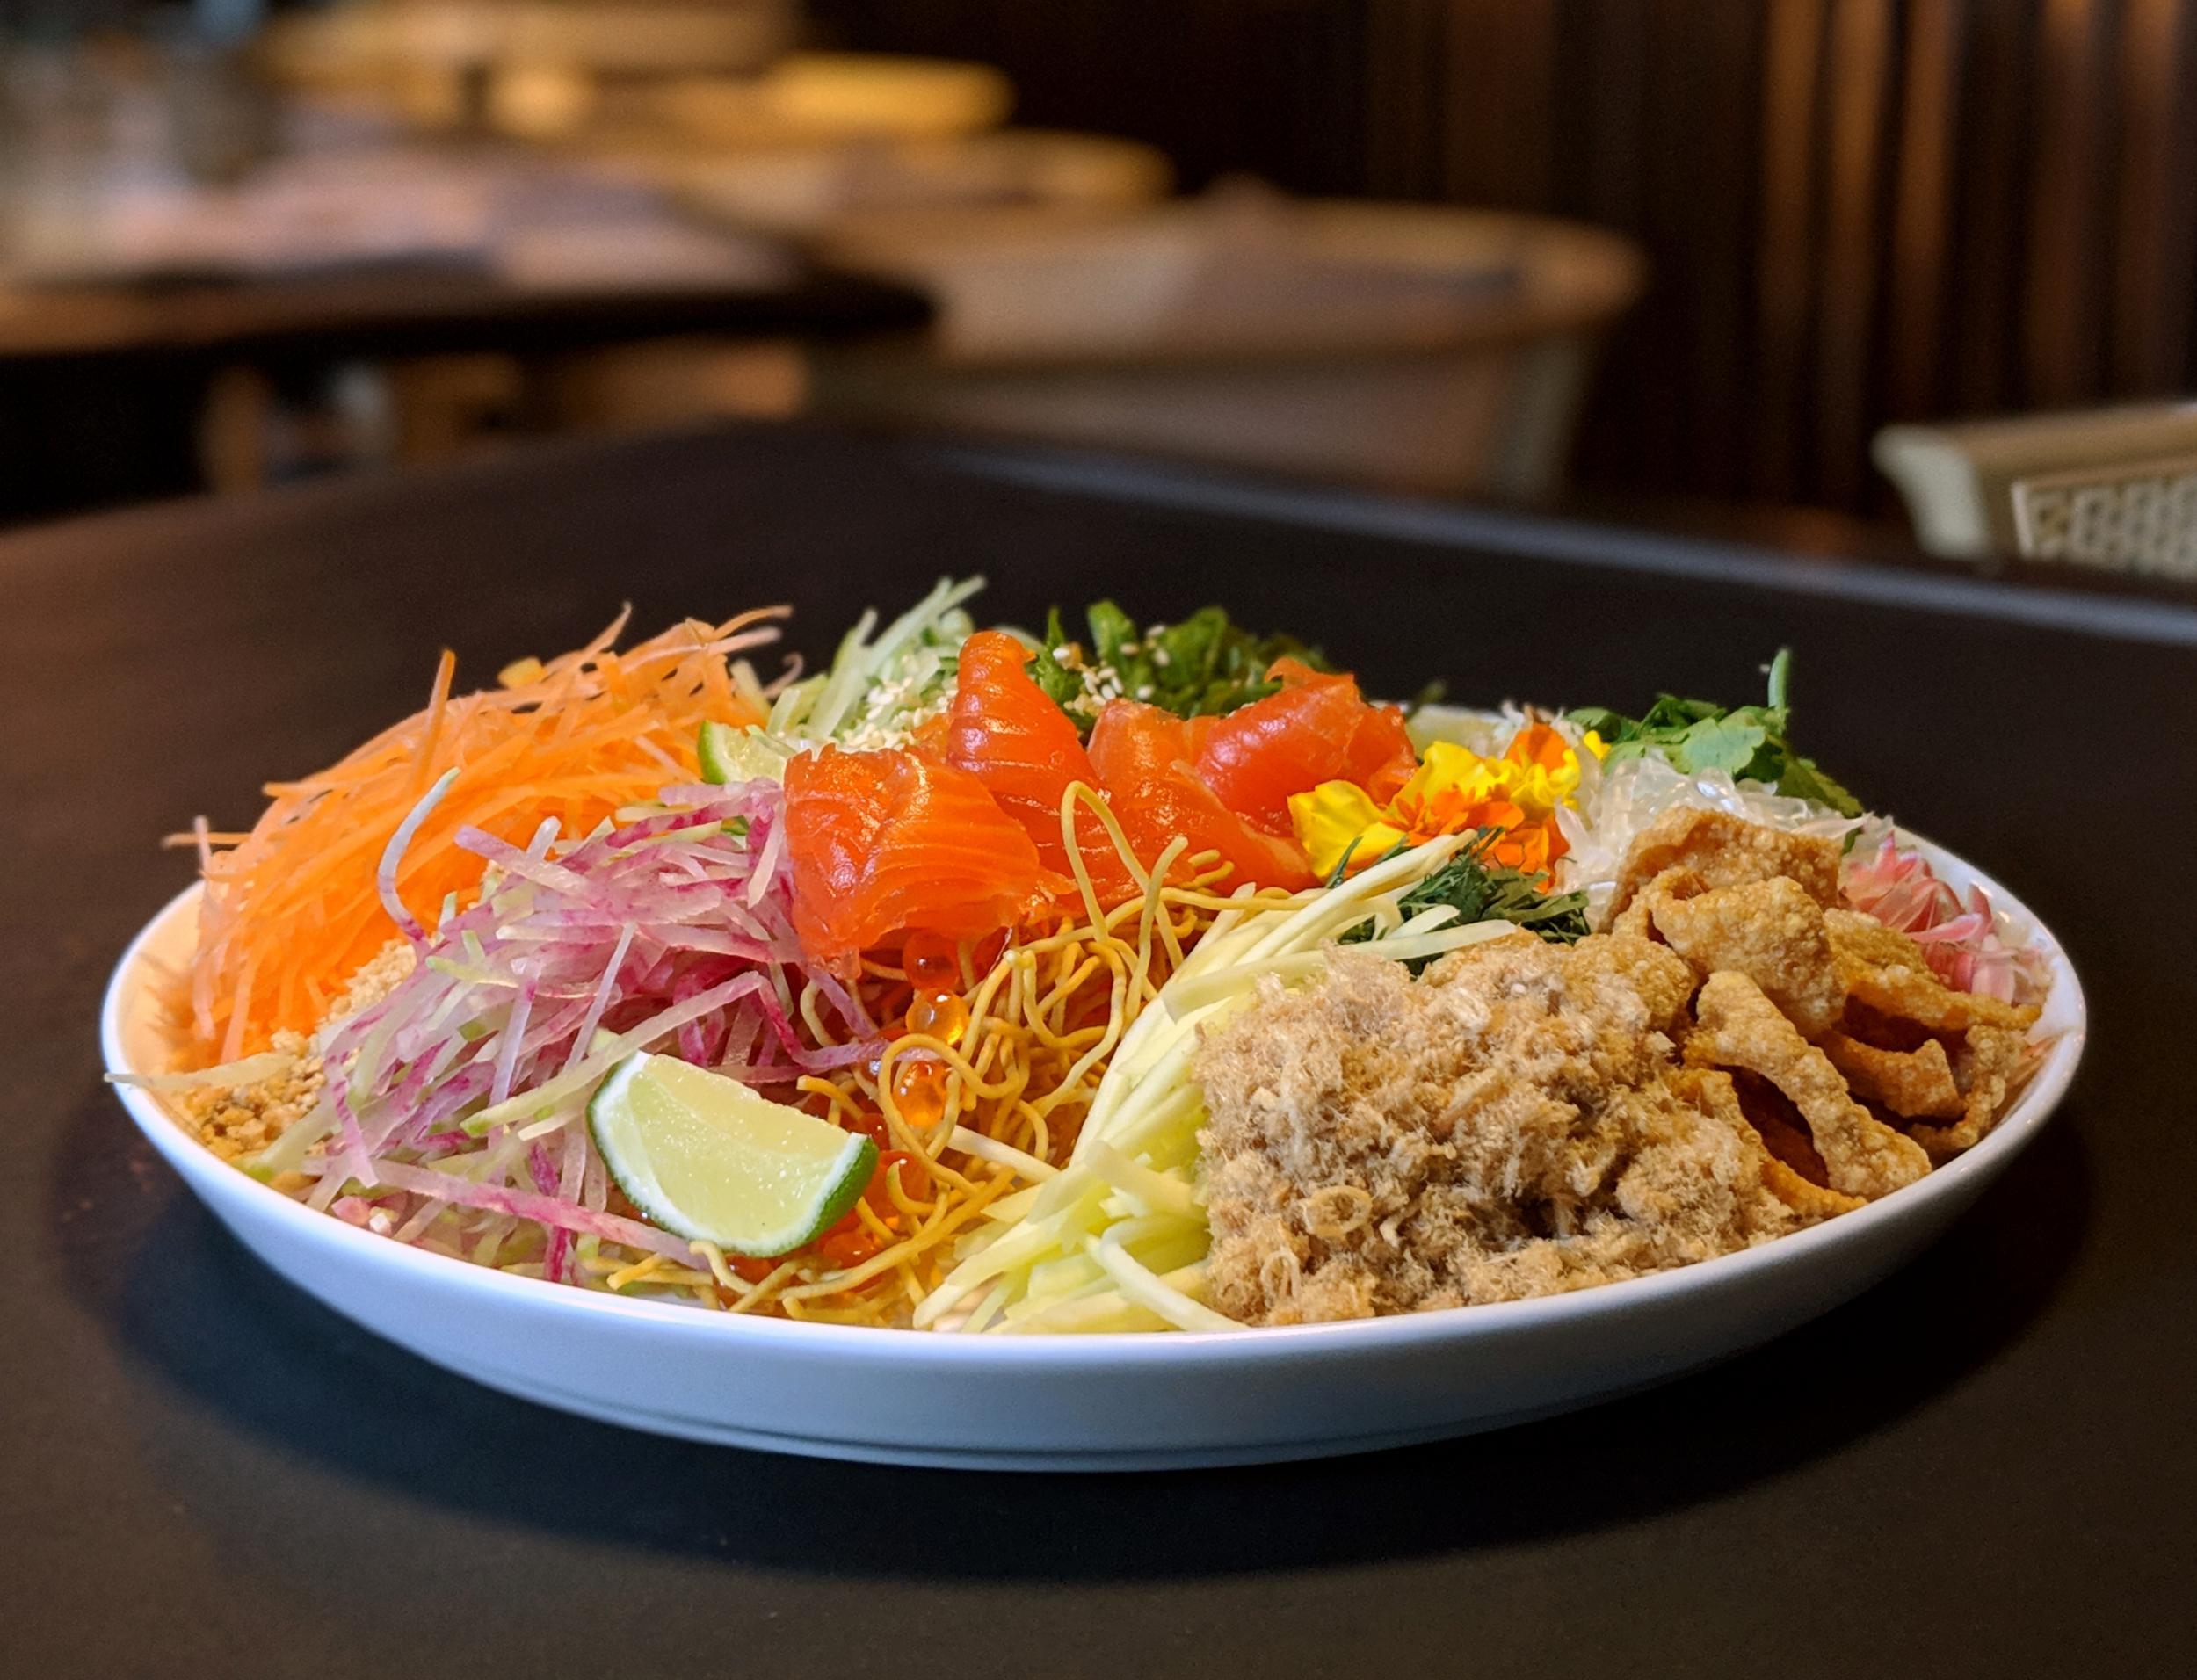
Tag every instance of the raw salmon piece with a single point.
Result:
(1318, 728)
(886, 843)
(1144, 759)
(1006, 731)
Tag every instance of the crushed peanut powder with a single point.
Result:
(238, 1120)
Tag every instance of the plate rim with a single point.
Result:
(1258, 1345)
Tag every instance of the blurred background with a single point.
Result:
(1852, 274)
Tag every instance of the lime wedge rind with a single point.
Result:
(729, 755)
(707, 1158)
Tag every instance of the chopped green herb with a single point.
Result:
(1113, 634)
(1051, 668)
(1205, 666)
(1480, 890)
(1749, 742)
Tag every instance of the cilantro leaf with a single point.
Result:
(1804, 778)
(1750, 742)
(1726, 743)
(1112, 630)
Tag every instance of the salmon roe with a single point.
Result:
(913, 1182)
(931, 963)
(848, 1243)
(940, 1015)
(920, 1089)
(871, 1126)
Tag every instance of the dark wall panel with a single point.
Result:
(1858, 210)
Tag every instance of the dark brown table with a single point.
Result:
(101, 386)
(1985, 1466)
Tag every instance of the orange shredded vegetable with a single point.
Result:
(292, 911)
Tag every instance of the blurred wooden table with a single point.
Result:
(101, 386)
(409, 310)
(1983, 1466)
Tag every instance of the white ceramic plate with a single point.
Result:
(1068, 1403)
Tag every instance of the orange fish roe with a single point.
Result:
(939, 1015)
(920, 1089)
(931, 963)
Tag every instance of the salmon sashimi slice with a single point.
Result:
(894, 842)
(1009, 734)
(1318, 728)
(1146, 762)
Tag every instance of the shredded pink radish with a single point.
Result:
(1963, 941)
(542, 1210)
(672, 931)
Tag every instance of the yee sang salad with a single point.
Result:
(1121, 979)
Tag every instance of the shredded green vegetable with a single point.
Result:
(1476, 889)
(1117, 1239)
(880, 686)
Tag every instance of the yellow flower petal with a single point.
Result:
(1538, 791)
(1329, 818)
(1375, 842)
(1448, 773)
(1449, 792)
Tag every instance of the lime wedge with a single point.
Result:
(746, 754)
(707, 1158)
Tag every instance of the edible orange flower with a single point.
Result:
(1455, 791)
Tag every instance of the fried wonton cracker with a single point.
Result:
(1985, 1067)
(1713, 1093)
(1887, 970)
(1914, 1084)
(1770, 931)
(1637, 920)
(1727, 851)
(1740, 1027)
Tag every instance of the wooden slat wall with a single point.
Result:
(2155, 234)
(1796, 39)
(1920, 278)
(1858, 210)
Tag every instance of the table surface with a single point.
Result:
(404, 310)
(1985, 1466)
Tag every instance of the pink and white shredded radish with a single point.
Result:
(1966, 942)
(463, 1089)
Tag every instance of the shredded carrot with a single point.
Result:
(291, 910)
